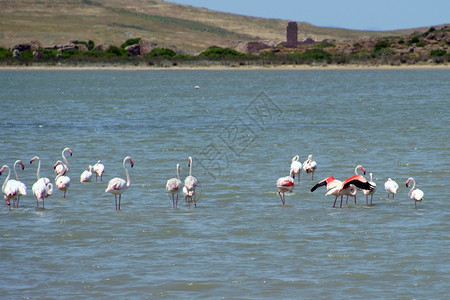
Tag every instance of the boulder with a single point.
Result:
(35, 45)
(37, 54)
(21, 47)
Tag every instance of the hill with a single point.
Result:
(183, 28)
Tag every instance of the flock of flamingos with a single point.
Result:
(13, 189)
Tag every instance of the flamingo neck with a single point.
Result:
(356, 169)
(126, 173)
(6, 180)
(15, 172)
(190, 166)
(412, 188)
(65, 160)
(38, 174)
(178, 172)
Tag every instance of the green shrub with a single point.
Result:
(4, 53)
(162, 52)
(382, 44)
(28, 54)
(130, 42)
(414, 39)
(219, 52)
(116, 51)
(322, 45)
(421, 44)
(49, 53)
(312, 54)
(70, 53)
(439, 52)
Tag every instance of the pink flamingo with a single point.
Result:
(60, 167)
(173, 186)
(370, 192)
(310, 166)
(42, 188)
(296, 166)
(117, 185)
(285, 184)
(62, 182)
(22, 186)
(190, 184)
(359, 181)
(391, 187)
(10, 188)
(414, 194)
(358, 167)
(86, 175)
(99, 168)
(333, 186)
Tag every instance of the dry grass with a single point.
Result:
(181, 27)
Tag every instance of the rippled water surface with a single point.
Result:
(242, 128)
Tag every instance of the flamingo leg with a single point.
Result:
(195, 200)
(120, 198)
(37, 202)
(367, 199)
(176, 203)
(355, 199)
(43, 203)
(64, 194)
(282, 198)
(115, 198)
(371, 198)
(335, 199)
(342, 198)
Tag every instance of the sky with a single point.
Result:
(349, 14)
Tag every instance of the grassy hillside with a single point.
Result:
(180, 27)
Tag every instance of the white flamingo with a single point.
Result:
(42, 188)
(190, 184)
(296, 166)
(86, 175)
(99, 169)
(391, 187)
(60, 167)
(117, 185)
(10, 188)
(173, 186)
(370, 192)
(310, 166)
(414, 194)
(62, 181)
(22, 186)
(285, 184)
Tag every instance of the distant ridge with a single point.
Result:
(181, 27)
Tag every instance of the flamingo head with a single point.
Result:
(131, 163)
(70, 151)
(99, 162)
(2, 169)
(22, 165)
(363, 169)
(33, 159)
(57, 164)
(7, 202)
(189, 161)
(408, 181)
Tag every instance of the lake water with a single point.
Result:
(242, 129)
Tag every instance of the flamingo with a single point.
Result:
(391, 187)
(285, 184)
(22, 186)
(62, 181)
(358, 167)
(414, 194)
(332, 186)
(310, 166)
(42, 188)
(190, 184)
(370, 192)
(99, 168)
(60, 167)
(173, 186)
(86, 175)
(117, 185)
(10, 188)
(296, 166)
(357, 180)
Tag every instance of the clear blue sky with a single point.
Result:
(350, 14)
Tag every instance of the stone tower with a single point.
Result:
(291, 33)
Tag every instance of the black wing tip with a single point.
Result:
(322, 183)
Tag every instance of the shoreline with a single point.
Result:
(225, 68)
